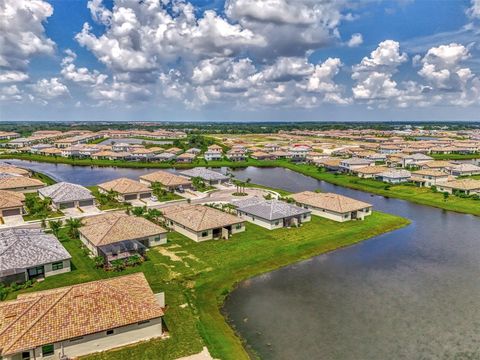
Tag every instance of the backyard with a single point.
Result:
(196, 278)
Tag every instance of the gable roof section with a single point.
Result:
(205, 174)
(117, 226)
(25, 248)
(330, 201)
(199, 217)
(166, 178)
(63, 191)
(124, 186)
(50, 316)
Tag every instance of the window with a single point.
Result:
(26, 355)
(57, 265)
(109, 332)
(205, 233)
(157, 238)
(48, 350)
(276, 222)
(239, 226)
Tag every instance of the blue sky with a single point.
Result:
(240, 60)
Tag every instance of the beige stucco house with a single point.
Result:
(201, 223)
(464, 186)
(11, 203)
(127, 189)
(81, 319)
(168, 180)
(333, 206)
(116, 235)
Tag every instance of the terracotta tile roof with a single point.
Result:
(371, 169)
(463, 184)
(124, 186)
(329, 201)
(50, 316)
(199, 217)
(117, 226)
(9, 199)
(8, 169)
(428, 172)
(166, 179)
(13, 182)
(437, 164)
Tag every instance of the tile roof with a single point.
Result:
(269, 209)
(371, 169)
(465, 167)
(51, 316)
(117, 226)
(199, 217)
(204, 173)
(395, 174)
(124, 186)
(9, 169)
(329, 201)
(63, 191)
(428, 172)
(463, 184)
(166, 179)
(24, 248)
(9, 199)
(13, 182)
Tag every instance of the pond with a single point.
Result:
(410, 294)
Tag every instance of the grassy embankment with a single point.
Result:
(423, 196)
(455, 156)
(197, 277)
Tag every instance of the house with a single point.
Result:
(236, 155)
(429, 177)
(415, 159)
(11, 203)
(209, 176)
(126, 189)
(298, 153)
(19, 183)
(212, 155)
(261, 155)
(201, 223)
(351, 164)
(27, 254)
(437, 165)
(72, 321)
(394, 176)
(464, 170)
(333, 206)
(462, 186)
(166, 179)
(116, 235)
(194, 151)
(142, 154)
(186, 158)
(66, 195)
(330, 164)
(271, 214)
(368, 172)
(215, 148)
(166, 156)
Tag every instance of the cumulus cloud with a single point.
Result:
(11, 93)
(355, 40)
(79, 75)
(48, 89)
(23, 36)
(442, 67)
(374, 73)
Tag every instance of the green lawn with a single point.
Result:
(455, 156)
(37, 212)
(196, 278)
(105, 203)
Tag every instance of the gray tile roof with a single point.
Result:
(269, 209)
(64, 192)
(25, 248)
(395, 174)
(204, 173)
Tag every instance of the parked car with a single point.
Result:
(153, 198)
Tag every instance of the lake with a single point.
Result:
(410, 294)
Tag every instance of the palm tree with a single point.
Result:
(153, 214)
(73, 225)
(55, 226)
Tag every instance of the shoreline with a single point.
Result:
(421, 196)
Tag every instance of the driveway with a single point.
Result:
(14, 220)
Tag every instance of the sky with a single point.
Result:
(239, 60)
